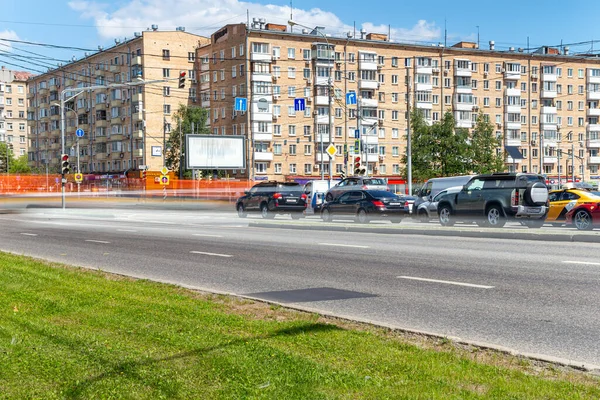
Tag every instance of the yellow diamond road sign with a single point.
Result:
(164, 170)
(331, 150)
(78, 178)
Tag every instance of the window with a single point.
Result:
(166, 72)
(394, 79)
(498, 85)
(291, 52)
(307, 149)
(394, 133)
(166, 54)
(292, 130)
(292, 168)
(276, 53)
(394, 61)
(277, 149)
(291, 72)
(570, 72)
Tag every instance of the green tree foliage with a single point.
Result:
(3, 149)
(187, 118)
(20, 166)
(484, 144)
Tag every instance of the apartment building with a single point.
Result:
(126, 114)
(544, 104)
(13, 108)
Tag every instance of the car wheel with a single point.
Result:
(582, 220)
(241, 211)
(495, 217)
(264, 211)
(329, 197)
(423, 217)
(445, 214)
(362, 217)
(326, 215)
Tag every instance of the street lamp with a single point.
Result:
(329, 85)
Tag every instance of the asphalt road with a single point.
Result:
(534, 297)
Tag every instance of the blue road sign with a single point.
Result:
(79, 132)
(356, 134)
(241, 104)
(350, 98)
(299, 104)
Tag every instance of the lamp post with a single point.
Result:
(329, 86)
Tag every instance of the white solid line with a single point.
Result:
(581, 262)
(126, 230)
(98, 241)
(211, 254)
(358, 246)
(29, 234)
(447, 282)
(205, 235)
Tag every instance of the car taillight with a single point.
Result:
(515, 197)
(378, 203)
(277, 196)
(365, 187)
(406, 204)
(304, 196)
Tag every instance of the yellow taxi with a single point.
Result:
(562, 201)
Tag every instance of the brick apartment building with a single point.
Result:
(13, 109)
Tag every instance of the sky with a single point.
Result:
(29, 29)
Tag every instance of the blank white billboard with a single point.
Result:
(215, 152)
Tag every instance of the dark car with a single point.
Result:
(586, 215)
(364, 205)
(489, 200)
(271, 198)
(356, 183)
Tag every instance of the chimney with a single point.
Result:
(492, 45)
(154, 27)
(363, 32)
(511, 49)
(566, 50)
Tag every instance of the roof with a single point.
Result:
(22, 75)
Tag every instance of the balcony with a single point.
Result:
(100, 156)
(593, 95)
(322, 81)
(364, 84)
(117, 120)
(321, 157)
(424, 87)
(261, 77)
(371, 139)
(55, 146)
(550, 160)
(424, 106)
(263, 156)
(83, 110)
(43, 91)
(594, 143)
(513, 92)
(138, 152)
(549, 77)
(83, 141)
(322, 138)
(512, 142)
(464, 124)
(262, 116)
(114, 68)
(137, 60)
(513, 125)
(323, 119)
(467, 89)
(136, 117)
(463, 106)
(512, 75)
(100, 139)
(137, 134)
(116, 137)
(263, 57)
(424, 70)
(548, 110)
(367, 64)
(263, 137)
(372, 158)
(102, 123)
(372, 103)
(322, 100)
(593, 112)
(594, 160)
(593, 127)
(548, 94)
(98, 72)
(137, 97)
(462, 72)
(512, 109)
(100, 106)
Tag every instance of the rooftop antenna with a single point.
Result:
(477, 36)
(445, 34)
(291, 15)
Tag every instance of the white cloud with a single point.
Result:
(204, 17)
(11, 35)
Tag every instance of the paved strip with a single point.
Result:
(211, 254)
(126, 230)
(446, 282)
(97, 241)
(28, 234)
(582, 262)
(358, 246)
(206, 235)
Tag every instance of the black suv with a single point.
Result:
(489, 200)
(272, 198)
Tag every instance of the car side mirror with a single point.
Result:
(246, 191)
(430, 198)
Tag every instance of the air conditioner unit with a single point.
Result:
(446, 71)
(338, 63)
(276, 96)
(309, 81)
(534, 75)
(499, 125)
(503, 70)
(194, 81)
(475, 108)
(274, 78)
(316, 167)
(485, 74)
(123, 118)
(534, 142)
(307, 62)
(435, 70)
(308, 99)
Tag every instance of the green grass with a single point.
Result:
(68, 333)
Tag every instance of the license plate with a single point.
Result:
(291, 200)
(394, 204)
(534, 209)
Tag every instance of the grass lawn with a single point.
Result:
(78, 334)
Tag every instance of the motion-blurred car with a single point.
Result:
(585, 215)
(563, 201)
(271, 197)
(364, 205)
(427, 210)
(355, 183)
(409, 203)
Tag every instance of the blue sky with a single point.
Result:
(87, 24)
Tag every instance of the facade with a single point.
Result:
(544, 104)
(13, 109)
(125, 120)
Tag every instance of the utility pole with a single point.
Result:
(329, 89)
(573, 161)
(408, 144)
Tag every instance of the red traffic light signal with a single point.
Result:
(144, 174)
(65, 167)
(182, 79)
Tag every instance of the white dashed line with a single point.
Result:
(98, 241)
(446, 282)
(358, 246)
(581, 262)
(211, 254)
(29, 234)
(206, 235)
(126, 230)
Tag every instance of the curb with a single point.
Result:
(447, 232)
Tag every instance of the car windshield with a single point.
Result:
(382, 194)
(374, 181)
(290, 187)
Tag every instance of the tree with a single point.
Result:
(20, 166)
(421, 149)
(3, 159)
(484, 143)
(189, 120)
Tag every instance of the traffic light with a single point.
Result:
(182, 79)
(359, 168)
(65, 167)
(342, 175)
(143, 174)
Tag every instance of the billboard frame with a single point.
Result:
(190, 137)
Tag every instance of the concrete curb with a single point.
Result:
(489, 233)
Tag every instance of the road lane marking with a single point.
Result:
(97, 241)
(29, 234)
(206, 235)
(582, 262)
(358, 246)
(126, 230)
(446, 282)
(211, 254)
